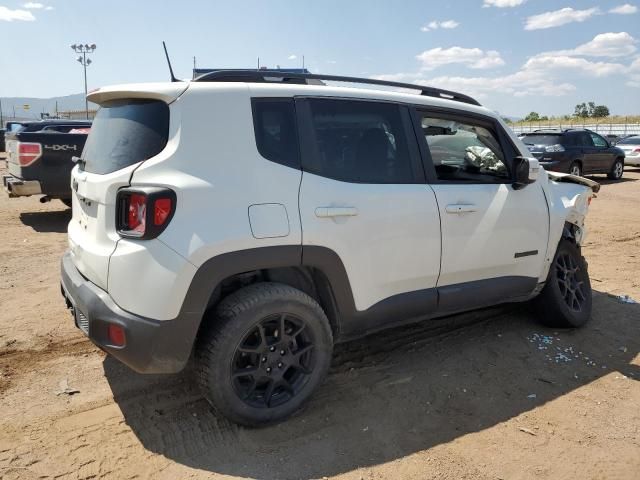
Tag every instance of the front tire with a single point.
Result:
(617, 170)
(566, 299)
(575, 169)
(268, 348)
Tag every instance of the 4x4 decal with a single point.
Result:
(63, 148)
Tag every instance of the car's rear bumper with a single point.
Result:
(151, 346)
(16, 187)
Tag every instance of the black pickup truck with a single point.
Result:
(39, 157)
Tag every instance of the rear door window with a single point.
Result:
(584, 140)
(360, 142)
(126, 132)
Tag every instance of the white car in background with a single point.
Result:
(631, 148)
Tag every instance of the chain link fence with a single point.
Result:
(619, 129)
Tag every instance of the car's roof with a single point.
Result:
(297, 90)
(169, 91)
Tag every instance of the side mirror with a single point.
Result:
(525, 171)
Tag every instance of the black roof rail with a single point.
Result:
(267, 76)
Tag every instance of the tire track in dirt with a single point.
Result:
(16, 362)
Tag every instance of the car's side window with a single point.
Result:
(274, 122)
(586, 140)
(359, 142)
(464, 151)
(598, 141)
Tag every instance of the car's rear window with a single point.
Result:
(125, 132)
(630, 141)
(15, 127)
(542, 139)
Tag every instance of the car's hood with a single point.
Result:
(566, 177)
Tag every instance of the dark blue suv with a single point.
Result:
(575, 151)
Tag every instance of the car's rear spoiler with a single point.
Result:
(566, 177)
(166, 92)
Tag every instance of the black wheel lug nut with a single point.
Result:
(279, 364)
(281, 352)
(268, 369)
(272, 349)
(264, 359)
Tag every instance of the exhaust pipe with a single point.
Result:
(45, 199)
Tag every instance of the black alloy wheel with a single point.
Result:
(273, 362)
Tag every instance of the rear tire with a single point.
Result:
(575, 169)
(267, 349)
(566, 299)
(617, 170)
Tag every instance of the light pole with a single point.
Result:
(84, 49)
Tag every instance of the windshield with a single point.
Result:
(541, 139)
(125, 132)
(630, 141)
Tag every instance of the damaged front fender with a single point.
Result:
(567, 177)
(568, 198)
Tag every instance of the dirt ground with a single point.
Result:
(488, 395)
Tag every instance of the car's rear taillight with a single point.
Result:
(28, 152)
(554, 148)
(144, 212)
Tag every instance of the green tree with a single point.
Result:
(600, 111)
(581, 110)
(532, 117)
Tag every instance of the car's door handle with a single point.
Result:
(459, 208)
(330, 212)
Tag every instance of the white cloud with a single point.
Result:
(472, 57)
(603, 45)
(519, 84)
(560, 17)
(331, 62)
(548, 63)
(626, 9)
(48, 7)
(33, 5)
(9, 15)
(447, 24)
(502, 3)
(292, 57)
(634, 77)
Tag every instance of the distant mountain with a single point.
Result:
(39, 105)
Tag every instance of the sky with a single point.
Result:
(514, 56)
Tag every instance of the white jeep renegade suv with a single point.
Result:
(253, 219)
